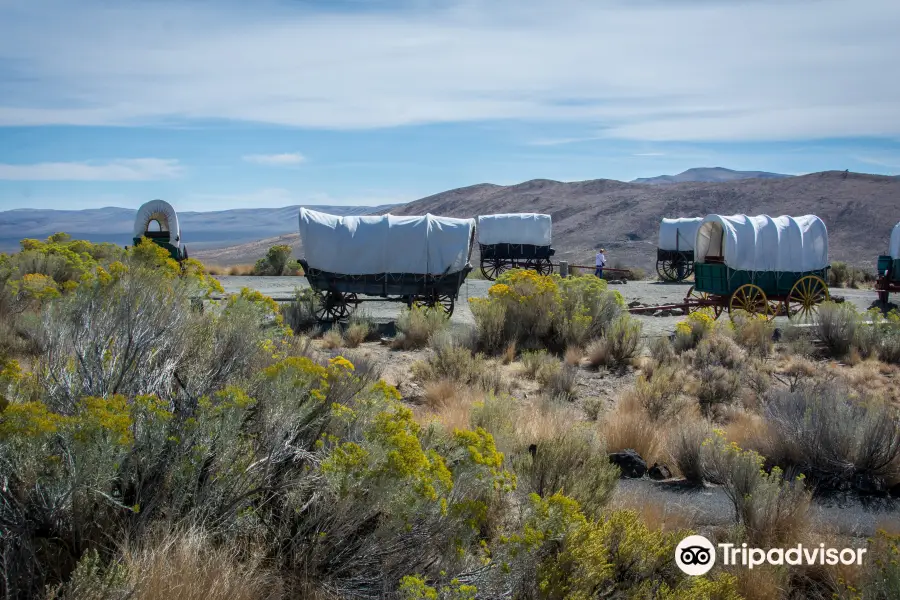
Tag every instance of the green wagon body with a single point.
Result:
(722, 280)
(890, 268)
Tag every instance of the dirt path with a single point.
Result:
(647, 292)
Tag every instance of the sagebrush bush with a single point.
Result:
(560, 382)
(690, 331)
(300, 313)
(832, 437)
(416, 326)
(718, 363)
(662, 351)
(754, 334)
(772, 509)
(275, 262)
(686, 449)
(660, 395)
(573, 461)
(358, 330)
(537, 362)
(835, 325)
(537, 311)
(453, 361)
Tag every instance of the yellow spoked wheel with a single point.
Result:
(714, 311)
(750, 299)
(803, 302)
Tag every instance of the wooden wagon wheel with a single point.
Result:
(434, 300)
(802, 303)
(492, 268)
(715, 310)
(665, 271)
(544, 266)
(332, 307)
(349, 305)
(751, 299)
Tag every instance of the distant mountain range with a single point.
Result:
(709, 174)
(200, 230)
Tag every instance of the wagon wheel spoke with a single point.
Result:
(804, 299)
(709, 304)
(680, 263)
(751, 299)
(331, 307)
(545, 267)
(668, 270)
(493, 268)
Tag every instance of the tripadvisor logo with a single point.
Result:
(696, 555)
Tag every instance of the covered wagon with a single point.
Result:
(167, 232)
(420, 260)
(515, 240)
(763, 265)
(888, 279)
(675, 250)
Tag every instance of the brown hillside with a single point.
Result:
(858, 209)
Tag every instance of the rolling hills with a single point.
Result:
(859, 210)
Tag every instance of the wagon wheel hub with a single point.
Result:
(751, 299)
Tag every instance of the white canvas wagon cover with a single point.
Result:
(161, 212)
(764, 243)
(515, 228)
(678, 234)
(895, 242)
(370, 245)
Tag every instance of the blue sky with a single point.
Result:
(214, 105)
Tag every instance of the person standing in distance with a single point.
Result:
(601, 262)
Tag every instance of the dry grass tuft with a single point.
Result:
(332, 339)
(655, 513)
(509, 353)
(573, 356)
(626, 427)
(189, 566)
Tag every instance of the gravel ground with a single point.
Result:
(648, 292)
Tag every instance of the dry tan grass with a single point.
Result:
(244, 270)
(332, 339)
(874, 377)
(448, 405)
(628, 426)
(442, 392)
(509, 354)
(655, 513)
(762, 583)
(747, 429)
(189, 566)
(573, 356)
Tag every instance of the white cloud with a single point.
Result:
(276, 160)
(132, 169)
(650, 70)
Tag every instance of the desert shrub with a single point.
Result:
(836, 324)
(659, 396)
(560, 382)
(754, 333)
(690, 331)
(538, 363)
(332, 339)
(416, 326)
(881, 576)
(832, 437)
(543, 311)
(880, 337)
(593, 407)
(574, 462)
(623, 339)
(358, 330)
(300, 313)
(718, 362)
(564, 554)
(275, 262)
(838, 274)
(573, 356)
(686, 449)
(772, 509)
(662, 351)
(453, 361)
